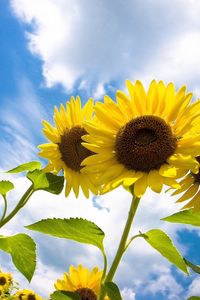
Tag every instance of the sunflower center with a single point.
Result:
(197, 176)
(2, 280)
(31, 297)
(72, 152)
(86, 294)
(145, 143)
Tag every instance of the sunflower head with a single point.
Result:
(82, 281)
(144, 139)
(5, 281)
(65, 151)
(26, 295)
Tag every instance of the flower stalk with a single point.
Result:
(122, 244)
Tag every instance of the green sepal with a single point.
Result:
(22, 249)
(46, 181)
(30, 166)
(5, 187)
(187, 216)
(160, 241)
(112, 291)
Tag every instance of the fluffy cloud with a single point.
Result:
(86, 43)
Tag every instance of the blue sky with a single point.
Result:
(51, 50)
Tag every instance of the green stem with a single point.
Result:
(5, 208)
(105, 268)
(20, 204)
(122, 244)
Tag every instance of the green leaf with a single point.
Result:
(30, 166)
(46, 181)
(185, 217)
(194, 298)
(23, 251)
(62, 295)
(5, 187)
(160, 241)
(79, 230)
(195, 268)
(112, 291)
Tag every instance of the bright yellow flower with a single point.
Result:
(65, 152)
(26, 295)
(190, 187)
(5, 281)
(82, 281)
(146, 139)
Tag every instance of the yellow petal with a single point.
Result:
(140, 186)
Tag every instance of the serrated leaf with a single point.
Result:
(79, 230)
(30, 166)
(112, 291)
(46, 181)
(184, 217)
(62, 295)
(160, 241)
(23, 251)
(195, 268)
(194, 298)
(5, 187)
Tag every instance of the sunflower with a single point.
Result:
(146, 139)
(65, 151)
(26, 295)
(5, 281)
(82, 281)
(190, 187)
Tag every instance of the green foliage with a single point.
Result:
(23, 251)
(62, 295)
(112, 290)
(5, 187)
(195, 268)
(79, 230)
(46, 181)
(30, 166)
(160, 241)
(194, 298)
(185, 217)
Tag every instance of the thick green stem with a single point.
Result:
(5, 208)
(20, 204)
(122, 244)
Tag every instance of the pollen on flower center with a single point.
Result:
(2, 280)
(86, 294)
(72, 152)
(145, 143)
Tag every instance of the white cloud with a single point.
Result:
(97, 42)
(20, 126)
(194, 288)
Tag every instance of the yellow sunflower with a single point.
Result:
(190, 187)
(65, 151)
(5, 281)
(82, 281)
(146, 139)
(26, 295)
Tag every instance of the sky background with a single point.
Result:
(52, 49)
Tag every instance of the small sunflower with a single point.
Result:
(5, 281)
(65, 151)
(26, 295)
(82, 281)
(190, 187)
(144, 140)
